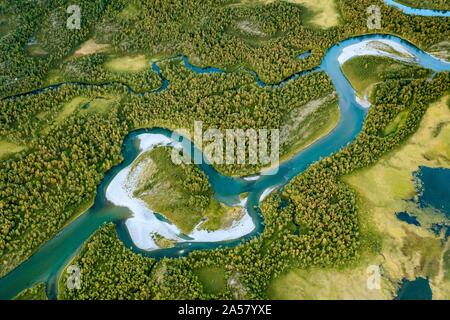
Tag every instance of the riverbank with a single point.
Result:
(144, 223)
(400, 250)
(58, 249)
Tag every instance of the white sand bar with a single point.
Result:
(144, 223)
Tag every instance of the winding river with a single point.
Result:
(418, 11)
(47, 263)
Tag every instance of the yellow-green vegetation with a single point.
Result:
(69, 108)
(250, 32)
(8, 148)
(219, 216)
(244, 195)
(91, 65)
(213, 279)
(406, 251)
(43, 188)
(6, 22)
(3, 25)
(181, 193)
(338, 282)
(444, 292)
(397, 123)
(91, 47)
(131, 10)
(198, 29)
(429, 146)
(365, 72)
(79, 105)
(330, 284)
(37, 292)
(306, 124)
(409, 251)
(100, 104)
(321, 13)
(441, 50)
(446, 262)
(324, 13)
(86, 104)
(128, 64)
(163, 242)
(105, 257)
(54, 76)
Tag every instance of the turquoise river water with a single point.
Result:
(46, 264)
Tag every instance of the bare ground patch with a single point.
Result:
(91, 47)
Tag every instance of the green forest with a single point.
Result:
(326, 214)
(64, 117)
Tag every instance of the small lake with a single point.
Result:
(434, 188)
(418, 11)
(408, 218)
(418, 289)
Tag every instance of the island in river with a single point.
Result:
(95, 133)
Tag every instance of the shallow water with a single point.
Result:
(434, 188)
(408, 218)
(441, 229)
(418, 289)
(417, 11)
(47, 262)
